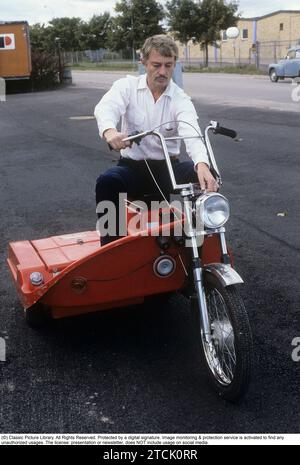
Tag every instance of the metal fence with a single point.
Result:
(272, 51)
(259, 55)
(91, 56)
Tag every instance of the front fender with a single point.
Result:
(225, 273)
(279, 68)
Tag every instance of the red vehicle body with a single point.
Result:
(81, 277)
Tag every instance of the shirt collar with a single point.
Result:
(143, 85)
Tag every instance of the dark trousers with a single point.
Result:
(133, 178)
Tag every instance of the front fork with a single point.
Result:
(197, 271)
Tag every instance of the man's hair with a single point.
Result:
(163, 44)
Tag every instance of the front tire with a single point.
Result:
(273, 75)
(228, 359)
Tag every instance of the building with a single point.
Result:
(262, 40)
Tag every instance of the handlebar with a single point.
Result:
(216, 129)
(137, 137)
(225, 132)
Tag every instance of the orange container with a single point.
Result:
(15, 54)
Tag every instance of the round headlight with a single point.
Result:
(213, 210)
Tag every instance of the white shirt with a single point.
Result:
(131, 99)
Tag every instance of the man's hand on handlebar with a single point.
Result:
(115, 139)
(206, 180)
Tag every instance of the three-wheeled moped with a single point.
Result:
(71, 274)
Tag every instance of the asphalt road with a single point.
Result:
(245, 91)
(135, 370)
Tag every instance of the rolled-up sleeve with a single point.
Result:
(112, 106)
(185, 111)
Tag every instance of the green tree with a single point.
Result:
(201, 21)
(95, 32)
(183, 19)
(215, 15)
(68, 31)
(40, 40)
(135, 21)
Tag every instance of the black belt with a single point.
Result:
(172, 158)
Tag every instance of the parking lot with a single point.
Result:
(135, 370)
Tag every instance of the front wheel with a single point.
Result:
(228, 358)
(273, 75)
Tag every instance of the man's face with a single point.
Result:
(159, 71)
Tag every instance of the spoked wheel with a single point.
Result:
(228, 358)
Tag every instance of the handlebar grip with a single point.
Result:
(136, 140)
(225, 132)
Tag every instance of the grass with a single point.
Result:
(239, 69)
(127, 66)
(106, 66)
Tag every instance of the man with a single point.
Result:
(145, 102)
